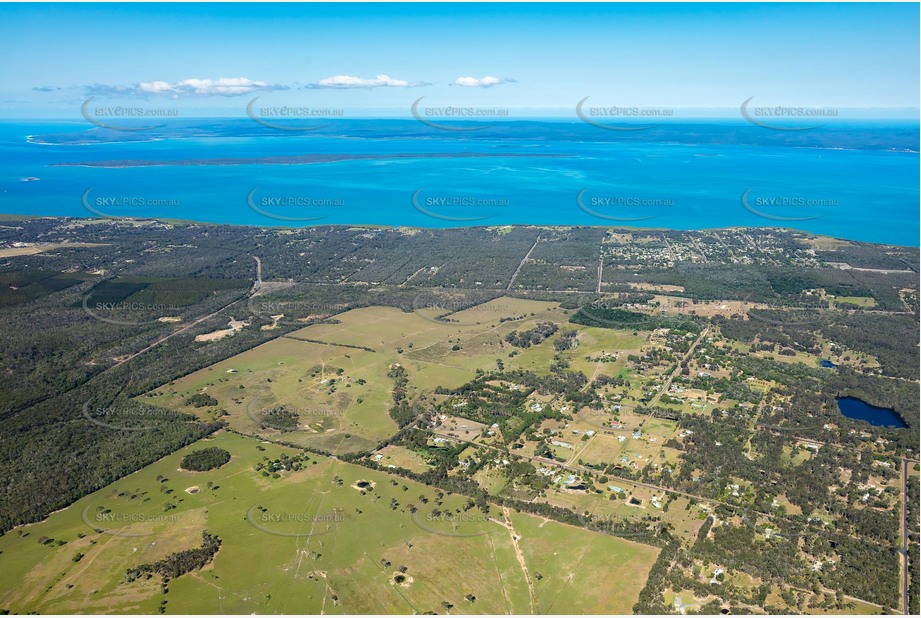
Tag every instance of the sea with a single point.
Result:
(857, 181)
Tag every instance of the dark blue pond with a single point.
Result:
(862, 411)
(827, 364)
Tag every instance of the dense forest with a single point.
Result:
(205, 459)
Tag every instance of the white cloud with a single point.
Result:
(156, 87)
(482, 82)
(350, 81)
(222, 87)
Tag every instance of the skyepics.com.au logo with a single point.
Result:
(441, 306)
(293, 207)
(458, 206)
(436, 116)
(801, 311)
(125, 117)
(785, 118)
(787, 207)
(290, 117)
(619, 526)
(620, 118)
(126, 416)
(105, 311)
(130, 206)
(292, 523)
(108, 521)
(804, 427)
(626, 312)
(622, 207)
(291, 311)
(605, 420)
(115, 302)
(286, 417)
(465, 524)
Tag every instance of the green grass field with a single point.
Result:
(312, 541)
(333, 537)
(342, 394)
(865, 302)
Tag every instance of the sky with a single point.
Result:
(531, 60)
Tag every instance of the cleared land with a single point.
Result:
(330, 537)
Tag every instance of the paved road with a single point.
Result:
(904, 550)
(677, 370)
(600, 269)
(521, 264)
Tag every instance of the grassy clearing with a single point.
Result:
(579, 577)
(337, 381)
(865, 302)
(328, 538)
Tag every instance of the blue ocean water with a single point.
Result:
(533, 173)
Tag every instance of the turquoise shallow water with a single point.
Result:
(541, 173)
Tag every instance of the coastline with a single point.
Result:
(13, 217)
